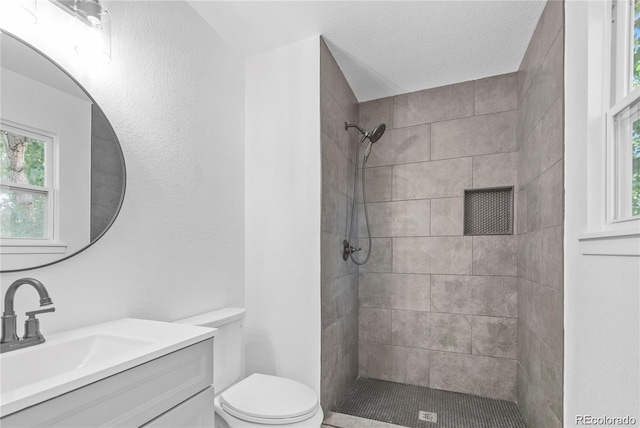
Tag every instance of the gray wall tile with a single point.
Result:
(529, 352)
(330, 348)
(332, 265)
(330, 115)
(428, 330)
(402, 145)
(410, 365)
(521, 301)
(375, 325)
(474, 374)
(551, 22)
(551, 257)
(378, 184)
(338, 298)
(332, 77)
(395, 363)
(530, 63)
(523, 393)
(346, 292)
(534, 205)
(443, 255)
(495, 336)
(441, 179)
(498, 170)
(496, 94)
(381, 255)
(402, 218)
(375, 112)
(472, 136)
(547, 316)
(447, 216)
(335, 166)
(547, 86)
(521, 211)
(545, 416)
(479, 295)
(553, 135)
(433, 105)
(395, 291)
(405, 171)
(532, 404)
(495, 255)
(529, 256)
(525, 302)
(551, 379)
(552, 196)
(334, 210)
(375, 361)
(339, 278)
(529, 164)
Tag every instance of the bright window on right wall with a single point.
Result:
(623, 114)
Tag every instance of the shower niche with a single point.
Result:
(488, 211)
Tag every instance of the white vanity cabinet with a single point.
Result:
(173, 390)
(197, 412)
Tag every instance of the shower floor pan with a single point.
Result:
(400, 404)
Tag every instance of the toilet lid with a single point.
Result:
(269, 399)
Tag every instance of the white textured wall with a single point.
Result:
(174, 94)
(602, 324)
(283, 182)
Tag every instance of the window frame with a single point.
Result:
(21, 245)
(620, 95)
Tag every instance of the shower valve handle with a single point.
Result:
(348, 249)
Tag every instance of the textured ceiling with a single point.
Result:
(387, 47)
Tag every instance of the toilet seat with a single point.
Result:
(269, 400)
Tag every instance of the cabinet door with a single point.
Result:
(196, 412)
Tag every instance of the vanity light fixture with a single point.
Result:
(20, 11)
(93, 30)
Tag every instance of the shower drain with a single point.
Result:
(428, 416)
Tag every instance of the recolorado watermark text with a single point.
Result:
(605, 420)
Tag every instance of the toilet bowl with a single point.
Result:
(261, 400)
(258, 400)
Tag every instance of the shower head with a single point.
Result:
(377, 132)
(373, 136)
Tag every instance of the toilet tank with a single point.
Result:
(228, 344)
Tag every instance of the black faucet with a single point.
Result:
(32, 336)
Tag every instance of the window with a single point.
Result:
(623, 115)
(26, 194)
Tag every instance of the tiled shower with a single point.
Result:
(434, 307)
(438, 308)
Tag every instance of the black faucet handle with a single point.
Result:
(32, 325)
(32, 314)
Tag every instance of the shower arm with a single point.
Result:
(362, 131)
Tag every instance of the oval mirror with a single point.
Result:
(62, 171)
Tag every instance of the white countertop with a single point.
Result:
(75, 358)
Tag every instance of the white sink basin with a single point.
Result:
(70, 360)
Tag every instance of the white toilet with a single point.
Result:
(257, 400)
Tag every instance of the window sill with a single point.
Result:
(611, 243)
(37, 248)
